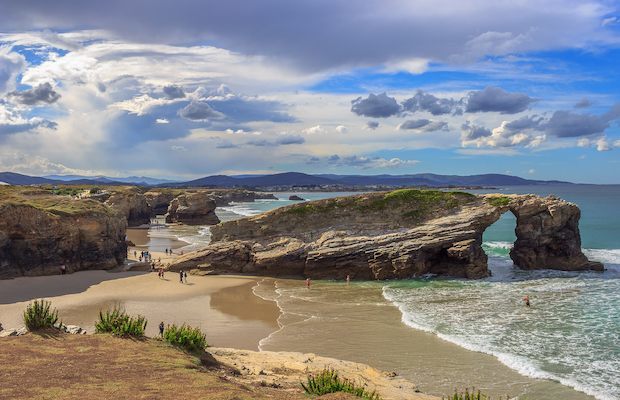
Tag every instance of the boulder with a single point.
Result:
(294, 197)
(73, 330)
(192, 209)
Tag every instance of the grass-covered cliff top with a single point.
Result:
(412, 204)
(55, 200)
(105, 367)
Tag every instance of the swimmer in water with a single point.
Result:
(526, 300)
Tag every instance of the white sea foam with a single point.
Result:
(243, 210)
(606, 256)
(448, 313)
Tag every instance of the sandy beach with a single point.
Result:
(223, 307)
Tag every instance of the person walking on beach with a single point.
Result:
(161, 328)
(348, 278)
(181, 276)
(308, 283)
(526, 300)
(135, 254)
(185, 276)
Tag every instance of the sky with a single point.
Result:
(189, 88)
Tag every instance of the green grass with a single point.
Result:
(40, 315)
(328, 381)
(119, 323)
(499, 201)
(417, 203)
(186, 337)
(57, 201)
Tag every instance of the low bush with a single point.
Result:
(467, 395)
(40, 315)
(118, 323)
(328, 381)
(186, 337)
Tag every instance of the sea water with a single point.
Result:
(570, 334)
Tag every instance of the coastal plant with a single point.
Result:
(40, 315)
(186, 337)
(499, 201)
(119, 323)
(328, 381)
(467, 395)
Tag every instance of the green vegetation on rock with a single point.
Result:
(414, 204)
(40, 315)
(498, 201)
(328, 381)
(118, 323)
(59, 201)
(467, 395)
(186, 337)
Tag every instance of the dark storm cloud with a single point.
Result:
(423, 101)
(200, 111)
(583, 103)
(535, 122)
(174, 92)
(495, 99)
(470, 131)
(243, 109)
(424, 125)
(375, 106)
(42, 94)
(322, 34)
(7, 129)
(282, 140)
(372, 125)
(570, 124)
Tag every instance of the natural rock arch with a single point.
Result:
(395, 235)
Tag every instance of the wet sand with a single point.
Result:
(356, 323)
(223, 307)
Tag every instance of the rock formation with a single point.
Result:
(192, 209)
(38, 239)
(158, 201)
(400, 234)
(294, 197)
(132, 204)
(224, 197)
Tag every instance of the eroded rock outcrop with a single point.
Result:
(192, 209)
(132, 204)
(400, 234)
(79, 235)
(158, 201)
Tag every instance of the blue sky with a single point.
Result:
(197, 88)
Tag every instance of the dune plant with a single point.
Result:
(328, 381)
(119, 323)
(186, 337)
(40, 315)
(467, 395)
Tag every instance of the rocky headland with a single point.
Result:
(42, 233)
(192, 209)
(392, 235)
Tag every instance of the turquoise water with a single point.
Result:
(571, 334)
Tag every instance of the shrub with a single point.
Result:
(118, 323)
(186, 337)
(40, 315)
(328, 381)
(467, 395)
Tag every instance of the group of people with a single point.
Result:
(183, 276)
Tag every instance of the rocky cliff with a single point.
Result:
(399, 234)
(132, 204)
(41, 233)
(158, 201)
(192, 209)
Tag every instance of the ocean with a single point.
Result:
(570, 335)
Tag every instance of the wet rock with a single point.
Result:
(295, 198)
